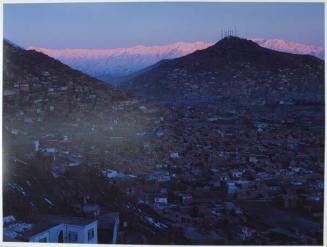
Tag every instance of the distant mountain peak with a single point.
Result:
(291, 47)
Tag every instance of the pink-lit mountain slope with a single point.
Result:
(291, 47)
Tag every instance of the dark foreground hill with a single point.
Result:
(237, 70)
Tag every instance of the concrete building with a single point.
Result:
(60, 229)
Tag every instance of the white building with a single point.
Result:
(9, 93)
(231, 187)
(36, 145)
(102, 228)
(174, 155)
(59, 229)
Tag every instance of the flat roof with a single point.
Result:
(36, 229)
(61, 219)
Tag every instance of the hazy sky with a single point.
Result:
(111, 25)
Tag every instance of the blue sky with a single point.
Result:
(112, 25)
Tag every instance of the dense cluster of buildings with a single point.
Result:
(236, 175)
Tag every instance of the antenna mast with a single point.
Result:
(228, 32)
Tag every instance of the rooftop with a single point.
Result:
(60, 219)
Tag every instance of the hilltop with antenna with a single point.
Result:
(229, 32)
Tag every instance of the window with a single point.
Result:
(43, 240)
(90, 234)
(72, 236)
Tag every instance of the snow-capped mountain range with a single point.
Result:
(113, 65)
(291, 47)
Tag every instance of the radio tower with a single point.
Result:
(228, 32)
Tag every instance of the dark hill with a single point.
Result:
(41, 71)
(237, 69)
(82, 120)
